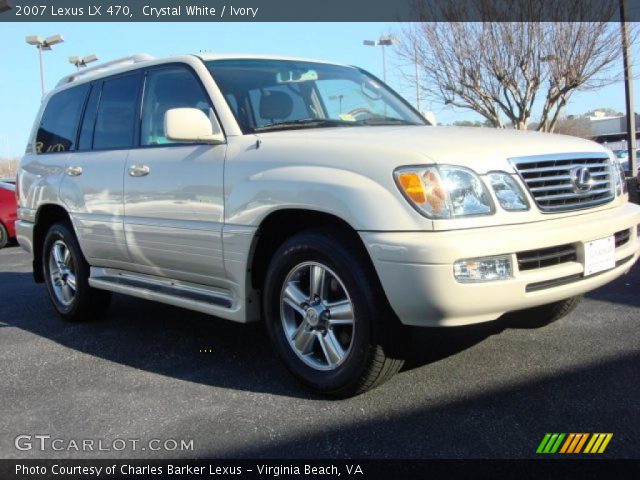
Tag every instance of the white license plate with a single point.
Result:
(599, 255)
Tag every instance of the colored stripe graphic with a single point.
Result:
(583, 439)
(573, 443)
(567, 443)
(594, 437)
(555, 447)
(605, 443)
(598, 443)
(543, 443)
(550, 443)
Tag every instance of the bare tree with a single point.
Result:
(575, 126)
(8, 167)
(503, 70)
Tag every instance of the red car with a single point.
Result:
(8, 211)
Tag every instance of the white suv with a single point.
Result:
(311, 196)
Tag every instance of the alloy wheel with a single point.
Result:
(317, 316)
(62, 273)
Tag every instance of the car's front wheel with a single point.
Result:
(66, 274)
(325, 315)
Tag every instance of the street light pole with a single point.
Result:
(384, 66)
(41, 69)
(383, 41)
(629, 103)
(41, 45)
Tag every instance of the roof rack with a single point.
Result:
(120, 62)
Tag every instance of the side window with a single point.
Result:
(167, 88)
(89, 119)
(59, 124)
(115, 120)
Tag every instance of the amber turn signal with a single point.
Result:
(412, 187)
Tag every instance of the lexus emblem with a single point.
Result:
(581, 179)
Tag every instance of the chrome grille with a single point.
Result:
(548, 178)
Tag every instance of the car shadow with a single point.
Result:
(584, 398)
(428, 345)
(199, 348)
(624, 290)
(157, 338)
(188, 345)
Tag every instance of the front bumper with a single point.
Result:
(416, 268)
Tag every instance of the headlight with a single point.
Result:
(508, 192)
(618, 175)
(444, 191)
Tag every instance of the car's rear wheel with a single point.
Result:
(67, 277)
(4, 236)
(325, 315)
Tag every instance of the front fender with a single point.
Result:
(358, 200)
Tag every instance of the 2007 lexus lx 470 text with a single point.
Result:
(313, 197)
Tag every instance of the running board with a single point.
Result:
(161, 290)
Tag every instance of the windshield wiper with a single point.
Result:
(304, 123)
(382, 120)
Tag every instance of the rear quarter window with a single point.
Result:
(59, 125)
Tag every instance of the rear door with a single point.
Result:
(92, 187)
(173, 191)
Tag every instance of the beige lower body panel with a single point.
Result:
(416, 268)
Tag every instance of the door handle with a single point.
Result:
(74, 171)
(138, 170)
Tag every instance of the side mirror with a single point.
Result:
(191, 125)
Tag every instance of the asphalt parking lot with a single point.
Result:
(489, 391)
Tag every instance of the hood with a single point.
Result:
(482, 149)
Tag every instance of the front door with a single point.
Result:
(173, 192)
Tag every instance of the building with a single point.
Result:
(611, 131)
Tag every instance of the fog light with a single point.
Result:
(486, 269)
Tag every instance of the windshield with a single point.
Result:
(267, 95)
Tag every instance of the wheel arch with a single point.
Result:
(280, 225)
(47, 215)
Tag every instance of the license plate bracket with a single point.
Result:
(599, 255)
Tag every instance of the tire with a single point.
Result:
(310, 326)
(66, 275)
(546, 314)
(4, 236)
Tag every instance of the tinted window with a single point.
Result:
(165, 89)
(59, 125)
(115, 121)
(279, 103)
(89, 119)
